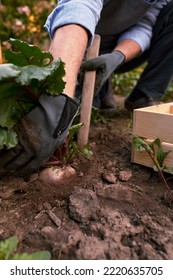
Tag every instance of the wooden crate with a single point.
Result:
(151, 123)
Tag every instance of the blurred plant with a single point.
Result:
(169, 93)
(124, 83)
(24, 20)
(156, 153)
(96, 116)
(9, 246)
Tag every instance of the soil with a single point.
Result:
(112, 209)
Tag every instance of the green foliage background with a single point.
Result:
(24, 20)
(8, 250)
(124, 83)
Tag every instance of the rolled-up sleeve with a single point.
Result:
(82, 12)
(142, 31)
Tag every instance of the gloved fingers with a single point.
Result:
(93, 64)
(38, 161)
(8, 155)
(98, 83)
(21, 159)
(33, 165)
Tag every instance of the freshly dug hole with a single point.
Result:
(57, 176)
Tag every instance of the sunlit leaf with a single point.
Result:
(161, 155)
(8, 70)
(7, 247)
(139, 143)
(74, 129)
(41, 255)
(168, 169)
(8, 139)
(155, 144)
(25, 54)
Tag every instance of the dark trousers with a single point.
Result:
(159, 70)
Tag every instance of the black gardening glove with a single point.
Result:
(40, 132)
(104, 65)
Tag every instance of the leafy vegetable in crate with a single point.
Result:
(35, 115)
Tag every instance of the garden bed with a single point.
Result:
(113, 209)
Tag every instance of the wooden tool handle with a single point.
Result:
(88, 94)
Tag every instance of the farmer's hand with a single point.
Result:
(40, 132)
(104, 65)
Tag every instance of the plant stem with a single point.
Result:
(160, 172)
(49, 163)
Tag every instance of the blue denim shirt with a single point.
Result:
(88, 13)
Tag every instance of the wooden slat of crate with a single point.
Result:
(151, 123)
(154, 122)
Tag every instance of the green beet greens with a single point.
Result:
(27, 73)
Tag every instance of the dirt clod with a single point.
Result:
(84, 205)
(125, 175)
